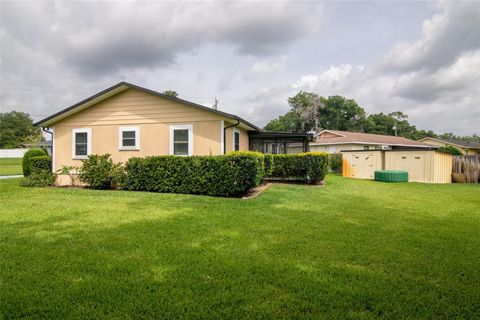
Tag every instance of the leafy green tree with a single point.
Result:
(290, 122)
(340, 113)
(16, 128)
(171, 93)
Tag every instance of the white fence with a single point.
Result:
(12, 153)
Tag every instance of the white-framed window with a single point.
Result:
(181, 140)
(236, 139)
(129, 138)
(81, 143)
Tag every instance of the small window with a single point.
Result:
(81, 143)
(236, 140)
(181, 140)
(366, 147)
(129, 138)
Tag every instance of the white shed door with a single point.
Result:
(363, 166)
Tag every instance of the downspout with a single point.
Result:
(51, 133)
(225, 135)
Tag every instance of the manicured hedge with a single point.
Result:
(26, 165)
(40, 172)
(229, 175)
(41, 163)
(311, 167)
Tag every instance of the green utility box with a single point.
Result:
(391, 176)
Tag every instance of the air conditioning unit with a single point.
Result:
(386, 148)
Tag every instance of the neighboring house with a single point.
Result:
(130, 121)
(466, 147)
(334, 141)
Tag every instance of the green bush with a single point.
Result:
(40, 172)
(336, 162)
(26, 165)
(310, 167)
(451, 150)
(268, 164)
(229, 175)
(41, 163)
(39, 179)
(99, 171)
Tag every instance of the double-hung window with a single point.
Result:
(236, 140)
(81, 143)
(129, 138)
(181, 140)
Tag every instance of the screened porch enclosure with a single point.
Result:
(279, 142)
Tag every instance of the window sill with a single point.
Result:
(80, 157)
(129, 149)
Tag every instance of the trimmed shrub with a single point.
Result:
(268, 164)
(99, 171)
(229, 175)
(40, 172)
(336, 162)
(41, 163)
(311, 167)
(26, 165)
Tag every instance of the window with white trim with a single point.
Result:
(181, 140)
(129, 138)
(81, 143)
(236, 140)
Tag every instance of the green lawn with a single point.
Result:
(352, 250)
(10, 166)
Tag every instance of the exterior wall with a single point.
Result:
(152, 114)
(244, 144)
(422, 166)
(361, 164)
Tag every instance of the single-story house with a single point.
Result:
(466, 147)
(334, 141)
(126, 121)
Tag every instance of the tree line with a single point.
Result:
(312, 112)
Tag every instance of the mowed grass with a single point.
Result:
(10, 166)
(351, 250)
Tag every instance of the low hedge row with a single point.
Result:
(311, 167)
(229, 175)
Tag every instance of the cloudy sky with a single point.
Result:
(422, 58)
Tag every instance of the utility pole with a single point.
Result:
(215, 105)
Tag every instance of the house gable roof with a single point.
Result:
(347, 137)
(120, 87)
(460, 143)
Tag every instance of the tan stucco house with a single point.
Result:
(127, 121)
(466, 147)
(334, 141)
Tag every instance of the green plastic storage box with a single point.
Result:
(391, 176)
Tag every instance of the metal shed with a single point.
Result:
(427, 166)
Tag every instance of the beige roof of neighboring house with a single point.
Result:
(463, 144)
(347, 137)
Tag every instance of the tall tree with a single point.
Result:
(16, 128)
(340, 113)
(307, 106)
(290, 122)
